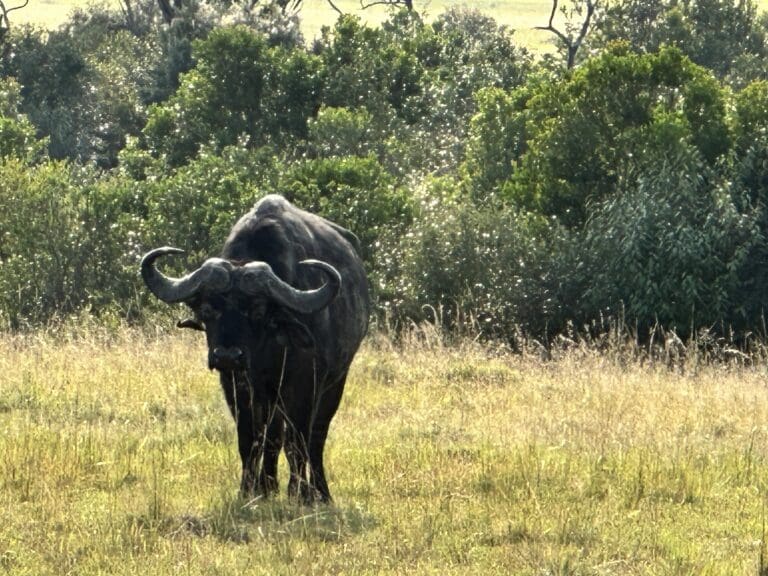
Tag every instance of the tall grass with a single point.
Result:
(117, 456)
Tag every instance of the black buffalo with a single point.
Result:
(284, 310)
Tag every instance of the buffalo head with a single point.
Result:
(242, 308)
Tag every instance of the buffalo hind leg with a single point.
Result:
(316, 467)
(326, 406)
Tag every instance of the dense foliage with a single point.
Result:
(485, 185)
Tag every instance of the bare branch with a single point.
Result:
(591, 7)
(551, 28)
(572, 45)
(5, 12)
(552, 16)
(335, 7)
(407, 3)
(5, 23)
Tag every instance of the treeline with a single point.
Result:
(484, 184)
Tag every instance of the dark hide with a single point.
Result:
(283, 372)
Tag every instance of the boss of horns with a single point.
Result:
(219, 276)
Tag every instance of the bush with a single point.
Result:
(195, 207)
(240, 91)
(338, 132)
(17, 134)
(670, 248)
(492, 264)
(66, 242)
(585, 134)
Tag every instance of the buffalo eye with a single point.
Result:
(257, 313)
(208, 313)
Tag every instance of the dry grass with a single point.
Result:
(118, 456)
(522, 16)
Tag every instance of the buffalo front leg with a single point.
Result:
(249, 419)
(273, 443)
(250, 441)
(296, 451)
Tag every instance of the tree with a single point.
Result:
(725, 36)
(573, 36)
(240, 91)
(496, 141)
(5, 22)
(170, 9)
(584, 135)
(671, 245)
(54, 77)
(416, 80)
(408, 4)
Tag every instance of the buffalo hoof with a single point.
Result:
(268, 485)
(307, 494)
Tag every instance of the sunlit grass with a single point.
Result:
(521, 16)
(118, 456)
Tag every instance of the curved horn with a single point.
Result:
(212, 276)
(257, 278)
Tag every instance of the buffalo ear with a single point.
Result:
(190, 323)
(290, 332)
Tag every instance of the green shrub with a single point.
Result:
(341, 132)
(583, 135)
(491, 264)
(670, 248)
(66, 242)
(17, 134)
(195, 207)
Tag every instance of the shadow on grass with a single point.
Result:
(242, 521)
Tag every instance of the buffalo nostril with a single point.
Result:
(226, 358)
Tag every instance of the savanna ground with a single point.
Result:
(118, 456)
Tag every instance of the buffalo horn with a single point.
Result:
(212, 276)
(257, 278)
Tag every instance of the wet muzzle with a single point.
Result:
(226, 358)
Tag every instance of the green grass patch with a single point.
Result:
(118, 456)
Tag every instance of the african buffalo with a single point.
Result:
(284, 310)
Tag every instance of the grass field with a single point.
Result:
(118, 456)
